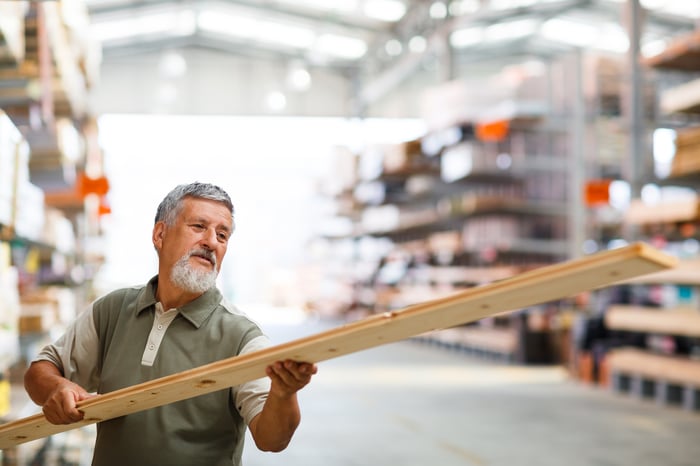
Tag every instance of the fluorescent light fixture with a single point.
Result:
(384, 10)
(612, 38)
(260, 30)
(508, 4)
(417, 44)
(463, 7)
(175, 23)
(172, 65)
(683, 8)
(299, 79)
(438, 10)
(511, 30)
(393, 47)
(569, 32)
(276, 101)
(607, 36)
(466, 37)
(341, 6)
(338, 46)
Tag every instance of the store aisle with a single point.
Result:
(410, 404)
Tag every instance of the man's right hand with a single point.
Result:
(60, 406)
(56, 395)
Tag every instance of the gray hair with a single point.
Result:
(170, 206)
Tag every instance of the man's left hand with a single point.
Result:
(288, 377)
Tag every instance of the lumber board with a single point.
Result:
(540, 285)
(674, 369)
(686, 272)
(680, 321)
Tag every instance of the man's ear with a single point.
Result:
(158, 232)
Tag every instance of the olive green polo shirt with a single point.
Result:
(118, 344)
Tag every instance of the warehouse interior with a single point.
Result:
(379, 154)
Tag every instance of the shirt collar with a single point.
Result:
(196, 311)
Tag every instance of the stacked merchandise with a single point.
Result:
(687, 157)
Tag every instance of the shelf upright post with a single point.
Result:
(636, 163)
(576, 159)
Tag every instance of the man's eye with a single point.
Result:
(198, 226)
(223, 236)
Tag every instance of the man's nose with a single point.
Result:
(208, 238)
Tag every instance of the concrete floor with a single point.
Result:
(410, 404)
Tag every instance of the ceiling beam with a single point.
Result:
(264, 8)
(407, 65)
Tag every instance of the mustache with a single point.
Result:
(204, 253)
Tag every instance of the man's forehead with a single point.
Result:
(205, 209)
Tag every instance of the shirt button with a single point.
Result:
(151, 347)
(160, 327)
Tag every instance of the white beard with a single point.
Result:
(193, 280)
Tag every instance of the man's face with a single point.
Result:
(196, 244)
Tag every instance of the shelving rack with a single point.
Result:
(47, 143)
(474, 200)
(653, 338)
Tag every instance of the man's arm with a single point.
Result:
(273, 428)
(56, 395)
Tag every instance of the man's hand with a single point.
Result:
(273, 428)
(60, 406)
(288, 377)
(56, 395)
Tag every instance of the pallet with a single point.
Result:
(536, 286)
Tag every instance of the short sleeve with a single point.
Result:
(250, 397)
(75, 352)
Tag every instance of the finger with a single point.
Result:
(283, 370)
(69, 409)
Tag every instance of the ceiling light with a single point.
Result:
(438, 10)
(176, 23)
(511, 30)
(340, 46)
(508, 4)
(463, 7)
(172, 65)
(417, 44)
(466, 37)
(261, 30)
(569, 32)
(385, 10)
(393, 47)
(341, 6)
(299, 79)
(276, 101)
(613, 38)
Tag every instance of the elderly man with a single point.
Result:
(177, 321)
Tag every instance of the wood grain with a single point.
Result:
(679, 321)
(536, 286)
(672, 369)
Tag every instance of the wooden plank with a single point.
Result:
(523, 290)
(640, 213)
(673, 369)
(653, 320)
(686, 272)
(681, 54)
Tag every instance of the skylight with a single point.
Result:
(257, 29)
(382, 10)
(236, 24)
(174, 23)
